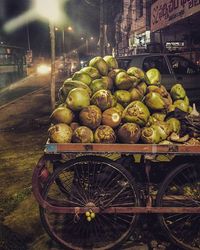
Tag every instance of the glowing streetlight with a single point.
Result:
(48, 10)
(51, 10)
(69, 28)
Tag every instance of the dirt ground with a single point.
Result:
(23, 132)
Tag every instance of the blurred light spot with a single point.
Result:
(51, 10)
(47, 10)
(43, 69)
(19, 21)
(70, 28)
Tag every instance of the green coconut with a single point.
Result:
(177, 92)
(150, 135)
(92, 72)
(99, 63)
(136, 94)
(137, 72)
(82, 134)
(164, 93)
(154, 76)
(82, 77)
(151, 121)
(97, 85)
(123, 97)
(113, 73)
(136, 112)
(78, 99)
(174, 124)
(91, 116)
(182, 105)
(129, 133)
(111, 117)
(123, 81)
(152, 88)
(104, 134)
(111, 62)
(159, 116)
(60, 133)
(103, 99)
(62, 115)
(154, 101)
(108, 81)
(68, 85)
(163, 128)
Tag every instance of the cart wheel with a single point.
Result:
(90, 181)
(181, 188)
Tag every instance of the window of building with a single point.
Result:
(139, 8)
(157, 62)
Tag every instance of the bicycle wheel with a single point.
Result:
(181, 188)
(90, 181)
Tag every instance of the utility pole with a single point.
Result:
(101, 28)
(28, 37)
(87, 45)
(63, 40)
(53, 73)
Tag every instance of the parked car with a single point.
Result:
(173, 68)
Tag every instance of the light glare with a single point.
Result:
(49, 9)
(43, 69)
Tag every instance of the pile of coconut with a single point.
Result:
(104, 104)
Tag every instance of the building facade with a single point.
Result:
(175, 25)
(158, 26)
(133, 27)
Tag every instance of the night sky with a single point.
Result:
(83, 17)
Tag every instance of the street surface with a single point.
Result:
(23, 125)
(22, 87)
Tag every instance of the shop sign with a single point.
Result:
(139, 40)
(174, 45)
(166, 12)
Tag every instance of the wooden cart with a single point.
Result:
(88, 201)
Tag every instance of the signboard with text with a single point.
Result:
(166, 12)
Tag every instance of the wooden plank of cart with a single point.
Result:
(91, 188)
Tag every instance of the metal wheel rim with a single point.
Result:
(159, 201)
(134, 217)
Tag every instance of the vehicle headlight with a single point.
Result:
(43, 69)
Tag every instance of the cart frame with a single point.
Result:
(53, 153)
(53, 150)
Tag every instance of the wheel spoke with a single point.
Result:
(92, 181)
(181, 189)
